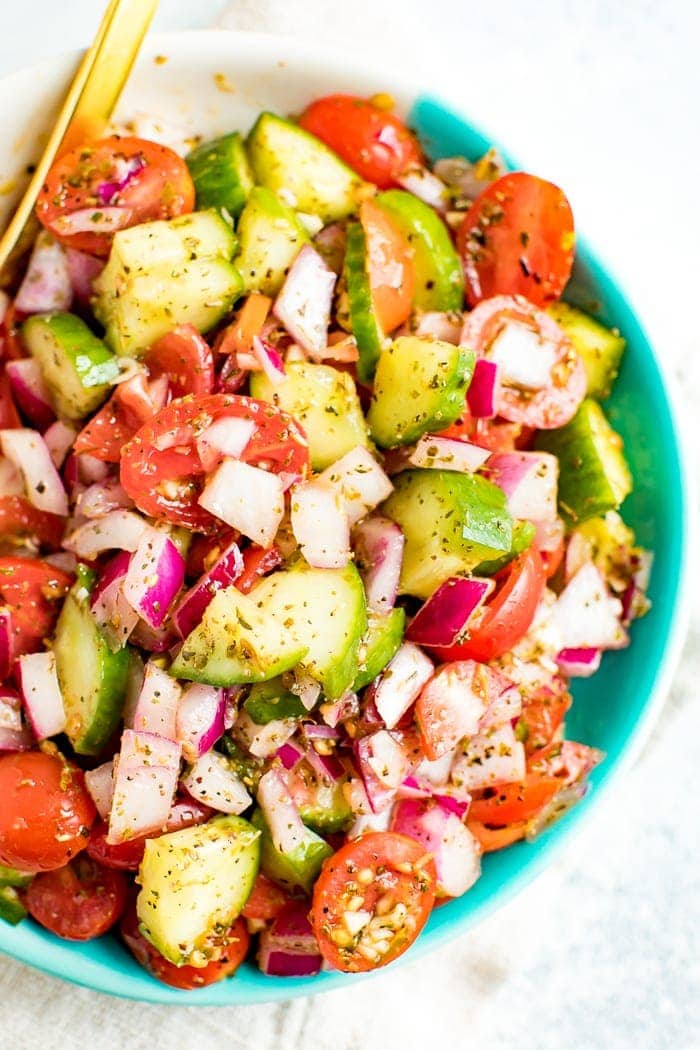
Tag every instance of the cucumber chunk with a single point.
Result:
(593, 473)
(523, 535)
(322, 612)
(92, 678)
(438, 269)
(194, 883)
(14, 877)
(599, 348)
(237, 641)
(452, 522)
(419, 386)
(77, 366)
(268, 701)
(285, 157)
(325, 402)
(297, 869)
(368, 334)
(270, 238)
(221, 173)
(380, 644)
(322, 804)
(11, 908)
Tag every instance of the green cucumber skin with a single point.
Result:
(270, 238)
(379, 645)
(329, 812)
(15, 878)
(11, 908)
(523, 535)
(268, 701)
(599, 348)
(221, 173)
(93, 708)
(298, 870)
(438, 268)
(420, 386)
(365, 327)
(593, 474)
(451, 522)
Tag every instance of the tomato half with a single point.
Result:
(390, 267)
(497, 435)
(543, 713)
(513, 803)
(186, 977)
(551, 405)
(20, 518)
(491, 839)
(147, 180)
(33, 591)
(160, 467)
(46, 811)
(266, 900)
(79, 902)
(186, 359)
(257, 562)
(517, 239)
(375, 143)
(395, 878)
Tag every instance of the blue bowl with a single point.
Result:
(613, 711)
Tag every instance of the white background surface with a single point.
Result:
(602, 96)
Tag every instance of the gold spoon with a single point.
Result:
(89, 103)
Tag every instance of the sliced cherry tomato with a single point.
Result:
(517, 239)
(266, 900)
(147, 180)
(127, 856)
(543, 713)
(375, 143)
(392, 275)
(186, 977)
(492, 839)
(565, 760)
(549, 406)
(497, 435)
(553, 559)
(165, 482)
(20, 518)
(32, 590)
(257, 562)
(513, 803)
(105, 435)
(9, 416)
(507, 616)
(380, 866)
(79, 902)
(46, 811)
(186, 359)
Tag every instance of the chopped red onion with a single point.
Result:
(290, 754)
(11, 483)
(41, 694)
(212, 781)
(481, 395)
(304, 303)
(247, 498)
(456, 852)
(489, 759)
(30, 391)
(440, 453)
(12, 740)
(288, 948)
(444, 326)
(359, 481)
(330, 242)
(315, 731)
(146, 772)
(287, 830)
(101, 498)
(108, 604)
(269, 360)
(200, 719)
(445, 615)
(157, 705)
(579, 663)
(336, 712)
(225, 438)
(28, 452)
(263, 741)
(118, 530)
(320, 525)
(326, 767)
(154, 639)
(63, 560)
(379, 545)
(6, 643)
(586, 616)
(190, 609)
(100, 784)
(83, 269)
(126, 169)
(529, 480)
(59, 440)
(10, 709)
(383, 765)
(91, 469)
(107, 219)
(422, 183)
(46, 285)
(156, 574)
(306, 688)
(401, 682)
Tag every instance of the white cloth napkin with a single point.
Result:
(601, 951)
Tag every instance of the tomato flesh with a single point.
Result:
(375, 143)
(390, 267)
(166, 482)
(32, 590)
(543, 712)
(98, 175)
(186, 359)
(79, 902)
(395, 878)
(46, 812)
(517, 239)
(266, 900)
(20, 518)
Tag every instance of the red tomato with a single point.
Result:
(543, 713)
(550, 406)
(497, 435)
(166, 482)
(106, 433)
(380, 866)
(46, 812)
(9, 417)
(376, 144)
(11, 345)
(507, 616)
(257, 562)
(78, 902)
(187, 977)
(266, 900)
(127, 856)
(33, 591)
(513, 803)
(204, 551)
(553, 559)
(89, 178)
(445, 710)
(391, 272)
(185, 357)
(566, 760)
(18, 517)
(492, 839)
(517, 239)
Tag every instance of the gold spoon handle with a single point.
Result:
(88, 106)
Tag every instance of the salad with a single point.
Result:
(309, 516)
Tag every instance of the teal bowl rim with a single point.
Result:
(53, 959)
